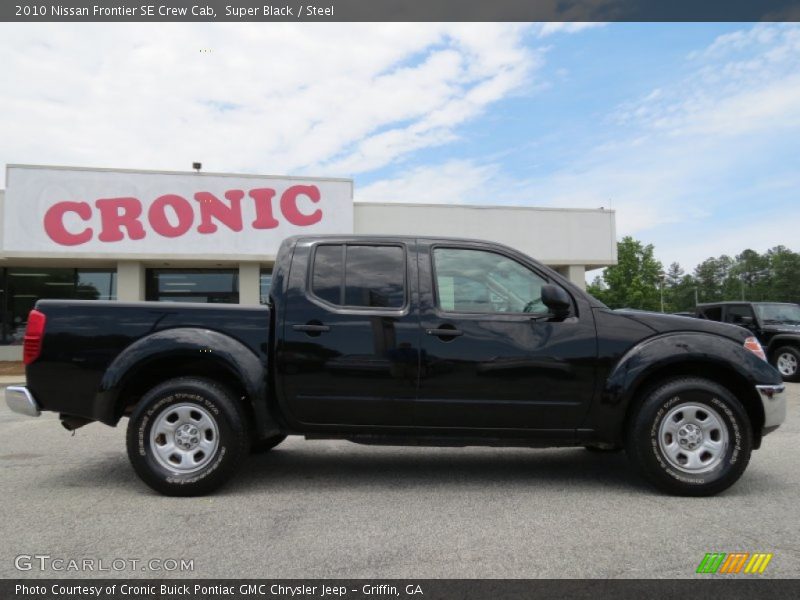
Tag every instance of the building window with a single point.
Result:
(193, 285)
(265, 281)
(22, 287)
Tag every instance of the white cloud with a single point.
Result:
(335, 98)
(454, 182)
(672, 160)
(547, 29)
(748, 80)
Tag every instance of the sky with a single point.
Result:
(690, 131)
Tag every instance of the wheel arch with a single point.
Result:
(781, 341)
(669, 356)
(184, 352)
(719, 373)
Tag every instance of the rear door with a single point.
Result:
(490, 357)
(350, 348)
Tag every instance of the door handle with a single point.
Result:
(311, 328)
(445, 332)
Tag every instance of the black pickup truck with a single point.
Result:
(395, 340)
(775, 324)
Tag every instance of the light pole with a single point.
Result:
(662, 276)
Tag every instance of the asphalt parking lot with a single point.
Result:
(340, 510)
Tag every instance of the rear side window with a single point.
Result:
(360, 275)
(326, 281)
(736, 313)
(713, 313)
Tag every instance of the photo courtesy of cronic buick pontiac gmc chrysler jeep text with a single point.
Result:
(395, 340)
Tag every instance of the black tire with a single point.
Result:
(687, 404)
(787, 361)
(221, 430)
(267, 444)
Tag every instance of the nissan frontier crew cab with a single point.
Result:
(404, 340)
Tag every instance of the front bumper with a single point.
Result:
(773, 399)
(20, 400)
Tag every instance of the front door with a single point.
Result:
(350, 352)
(491, 358)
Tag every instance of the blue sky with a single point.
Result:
(690, 132)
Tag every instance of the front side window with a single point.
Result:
(779, 313)
(477, 281)
(713, 313)
(359, 275)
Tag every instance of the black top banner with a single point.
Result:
(400, 10)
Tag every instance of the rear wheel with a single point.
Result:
(691, 437)
(187, 436)
(786, 360)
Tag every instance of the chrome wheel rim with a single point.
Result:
(693, 437)
(787, 364)
(184, 438)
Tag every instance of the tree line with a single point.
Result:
(639, 281)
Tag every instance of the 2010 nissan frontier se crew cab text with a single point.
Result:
(404, 340)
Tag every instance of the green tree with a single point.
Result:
(679, 289)
(634, 282)
(713, 278)
(598, 289)
(784, 270)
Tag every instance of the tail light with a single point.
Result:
(34, 333)
(754, 346)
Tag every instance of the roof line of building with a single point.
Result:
(486, 206)
(158, 172)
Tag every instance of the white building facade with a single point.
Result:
(114, 234)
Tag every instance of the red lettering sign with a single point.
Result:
(172, 216)
(116, 213)
(54, 223)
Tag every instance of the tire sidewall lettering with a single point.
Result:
(143, 435)
(729, 419)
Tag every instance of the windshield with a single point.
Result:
(779, 313)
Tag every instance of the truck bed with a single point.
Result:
(84, 337)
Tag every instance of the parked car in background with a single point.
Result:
(775, 324)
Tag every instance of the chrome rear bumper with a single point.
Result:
(773, 399)
(20, 400)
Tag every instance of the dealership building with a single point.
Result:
(114, 234)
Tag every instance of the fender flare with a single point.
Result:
(675, 349)
(782, 339)
(188, 342)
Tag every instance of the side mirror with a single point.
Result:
(556, 299)
(746, 321)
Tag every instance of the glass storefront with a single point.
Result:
(192, 285)
(23, 286)
(265, 280)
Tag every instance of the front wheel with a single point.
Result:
(691, 437)
(187, 436)
(787, 360)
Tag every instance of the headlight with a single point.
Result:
(754, 346)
